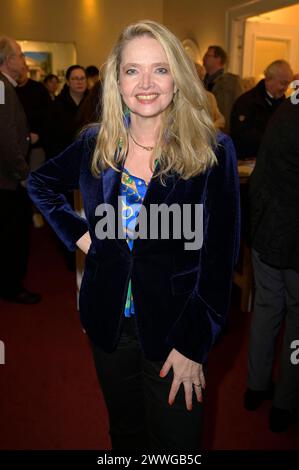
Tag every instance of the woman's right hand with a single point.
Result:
(84, 243)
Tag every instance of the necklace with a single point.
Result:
(144, 147)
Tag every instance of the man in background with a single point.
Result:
(35, 101)
(274, 215)
(252, 111)
(15, 206)
(225, 86)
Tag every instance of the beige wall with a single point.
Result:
(199, 20)
(92, 24)
(288, 16)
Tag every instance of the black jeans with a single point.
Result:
(137, 400)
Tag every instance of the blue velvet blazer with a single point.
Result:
(181, 297)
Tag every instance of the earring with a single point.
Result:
(120, 143)
(127, 119)
(126, 110)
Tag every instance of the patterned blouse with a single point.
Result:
(132, 192)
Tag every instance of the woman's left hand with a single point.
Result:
(186, 372)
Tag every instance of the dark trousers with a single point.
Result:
(137, 400)
(276, 298)
(15, 225)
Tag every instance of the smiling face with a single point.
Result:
(145, 81)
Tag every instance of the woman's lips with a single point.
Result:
(147, 98)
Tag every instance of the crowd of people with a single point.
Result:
(163, 130)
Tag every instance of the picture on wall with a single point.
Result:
(45, 57)
(39, 63)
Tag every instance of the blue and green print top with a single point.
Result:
(132, 192)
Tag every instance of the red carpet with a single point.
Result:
(49, 397)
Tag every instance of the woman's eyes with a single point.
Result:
(159, 70)
(131, 71)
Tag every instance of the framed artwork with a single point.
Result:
(39, 63)
(44, 57)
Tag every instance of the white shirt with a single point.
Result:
(10, 79)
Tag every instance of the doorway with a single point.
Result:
(260, 32)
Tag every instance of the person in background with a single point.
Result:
(152, 306)
(274, 215)
(225, 86)
(62, 126)
(61, 123)
(252, 110)
(92, 76)
(35, 101)
(91, 109)
(51, 83)
(218, 118)
(15, 206)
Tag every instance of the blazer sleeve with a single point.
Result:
(206, 309)
(13, 152)
(47, 187)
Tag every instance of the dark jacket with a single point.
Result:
(62, 122)
(35, 101)
(14, 139)
(181, 297)
(249, 117)
(274, 191)
(226, 87)
(91, 109)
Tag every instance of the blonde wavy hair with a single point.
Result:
(187, 135)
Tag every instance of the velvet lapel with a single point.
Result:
(157, 193)
(111, 180)
(111, 185)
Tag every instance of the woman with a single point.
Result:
(152, 306)
(51, 83)
(62, 125)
